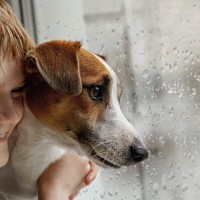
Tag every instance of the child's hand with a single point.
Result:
(89, 177)
(63, 179)
(92, 173)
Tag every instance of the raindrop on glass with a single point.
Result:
(171, 111)
(194, 91)
(155, 187)
(145, 73)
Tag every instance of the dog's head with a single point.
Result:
(74, 92)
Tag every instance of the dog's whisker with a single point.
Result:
(100, 152)
(113, 160)
(97, 159)
(106, 154)
(101, 143)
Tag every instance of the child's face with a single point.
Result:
(11, 105)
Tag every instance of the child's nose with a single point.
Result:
(8, 111)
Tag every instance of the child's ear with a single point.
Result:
(58, 64)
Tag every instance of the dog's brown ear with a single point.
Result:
(57, 62)
(103, 57)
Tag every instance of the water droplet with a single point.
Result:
(191, 54)
(158, 76)
(162, 44)
(155, 187)
(198, 77)
(136, 67)
(160, 154)
(157, 88)
(149, 80)
(171, 111)
(170, 165)
(186, 60)
(137, 175)
(169, 135)
(164, 182)
(102, 194)
(180, 91)
(171, 175)
(169, 89)
(132, 77)
(194, 91)
(110, 192)
(149, 112)
(191, 173)
(175, 50)
(196, 106)
(139, 114)
(58, 22)
(198, 59)
(126, 66)
(176, 140)
(162, 140)
(180, 94)
(175, 65)
(184, 187)
(124, 168)
(145, 73)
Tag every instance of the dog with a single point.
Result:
(70, 104)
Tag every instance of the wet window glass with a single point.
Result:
(154, 48)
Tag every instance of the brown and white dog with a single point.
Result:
(71, 105)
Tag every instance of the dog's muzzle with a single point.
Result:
(116, 153)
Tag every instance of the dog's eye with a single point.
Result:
(95, 93)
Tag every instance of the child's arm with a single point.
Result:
(63, 179)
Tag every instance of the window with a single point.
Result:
(154, 48)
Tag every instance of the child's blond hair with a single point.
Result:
(14, 40)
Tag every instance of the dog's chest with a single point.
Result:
(36, 148)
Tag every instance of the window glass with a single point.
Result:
(153, 46)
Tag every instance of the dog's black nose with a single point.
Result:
(138, 153)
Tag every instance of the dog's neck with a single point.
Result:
(36, 132)
(38, 146)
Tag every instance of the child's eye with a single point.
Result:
(16, 92)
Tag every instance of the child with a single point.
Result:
(56, 182)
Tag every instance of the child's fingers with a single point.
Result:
(92, 174)
(73, 196)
